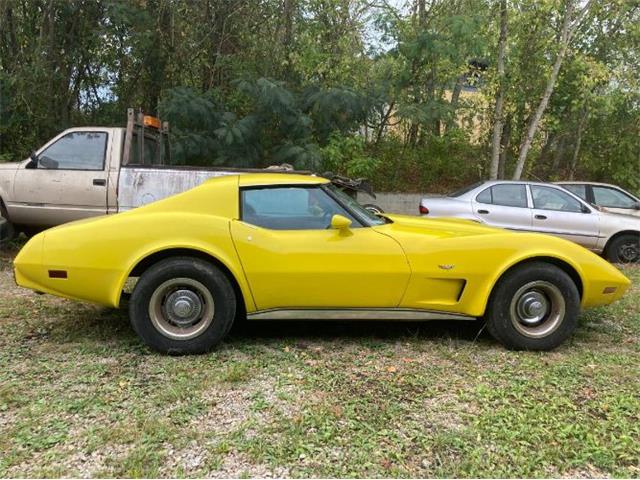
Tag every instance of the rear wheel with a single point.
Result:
(533, 307)
(624, 249)
(182, 305)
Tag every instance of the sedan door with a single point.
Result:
(558, 213)
(503, 205)
(293, 259)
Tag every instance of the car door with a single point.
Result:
(558, 213)
(68, 181)
(503, 205)
(293, 259)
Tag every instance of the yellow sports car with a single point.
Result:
(284, 246)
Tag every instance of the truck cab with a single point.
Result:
(90, 171)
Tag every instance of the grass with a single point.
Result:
(80, 396)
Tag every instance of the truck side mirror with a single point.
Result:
(33, 161)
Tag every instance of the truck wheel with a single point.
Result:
(533, 307)
(624, 249)
(182, 305)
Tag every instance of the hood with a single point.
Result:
(441, 226)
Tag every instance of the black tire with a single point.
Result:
(7, 232)
(195, 288)
(624, 249)
(533, 307)
(30, 231)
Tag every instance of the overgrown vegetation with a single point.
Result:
(402, 92)
(81, 396)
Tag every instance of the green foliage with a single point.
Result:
(346, 155)
(401, 93)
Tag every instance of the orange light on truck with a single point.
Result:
(150, 121)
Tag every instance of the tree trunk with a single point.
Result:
(505, 143)
(576, 150)
(498, 123)
(455, 100)
(568, 27)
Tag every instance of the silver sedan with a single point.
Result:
(542, 208)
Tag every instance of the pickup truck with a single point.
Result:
(89, 171)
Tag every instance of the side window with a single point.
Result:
(485, 196)
(75, 151)
(579, 190)
(506, 195)
(548, 198)
(610, 197)
(290, 208)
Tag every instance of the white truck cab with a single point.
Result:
(89, 171)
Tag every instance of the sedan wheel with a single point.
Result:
(182, 305)
(624, 249)
(534, 306)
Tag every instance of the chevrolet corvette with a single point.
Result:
(285, 246)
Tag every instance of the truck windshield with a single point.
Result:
(365, 216)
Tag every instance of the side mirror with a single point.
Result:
(636, 206)
(33, 161)
(338, 222)
(585, 209)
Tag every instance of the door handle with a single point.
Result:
(483, 212)
(540, 217)
(100, 182)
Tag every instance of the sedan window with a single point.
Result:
(506, 195)
(612, 198)
(547, 198)
(576, 189)
(291, 208)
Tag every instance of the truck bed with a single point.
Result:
(139, 185)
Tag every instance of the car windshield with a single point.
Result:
(462, 191)
(365, 216)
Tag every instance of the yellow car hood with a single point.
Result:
(441, 227)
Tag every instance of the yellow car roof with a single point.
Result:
(255, 179)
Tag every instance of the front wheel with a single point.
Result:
(624, 249)
(182, 305)
(533, 307)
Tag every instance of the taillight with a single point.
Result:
(424, 210)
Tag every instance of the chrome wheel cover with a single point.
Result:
(181, 308)
(537, 309)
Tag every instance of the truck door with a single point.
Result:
(67, 182)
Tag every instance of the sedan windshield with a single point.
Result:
(365, 216)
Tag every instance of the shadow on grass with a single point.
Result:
(390, 330)
(102, 325)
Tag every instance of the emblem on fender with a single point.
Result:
(446, 267)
